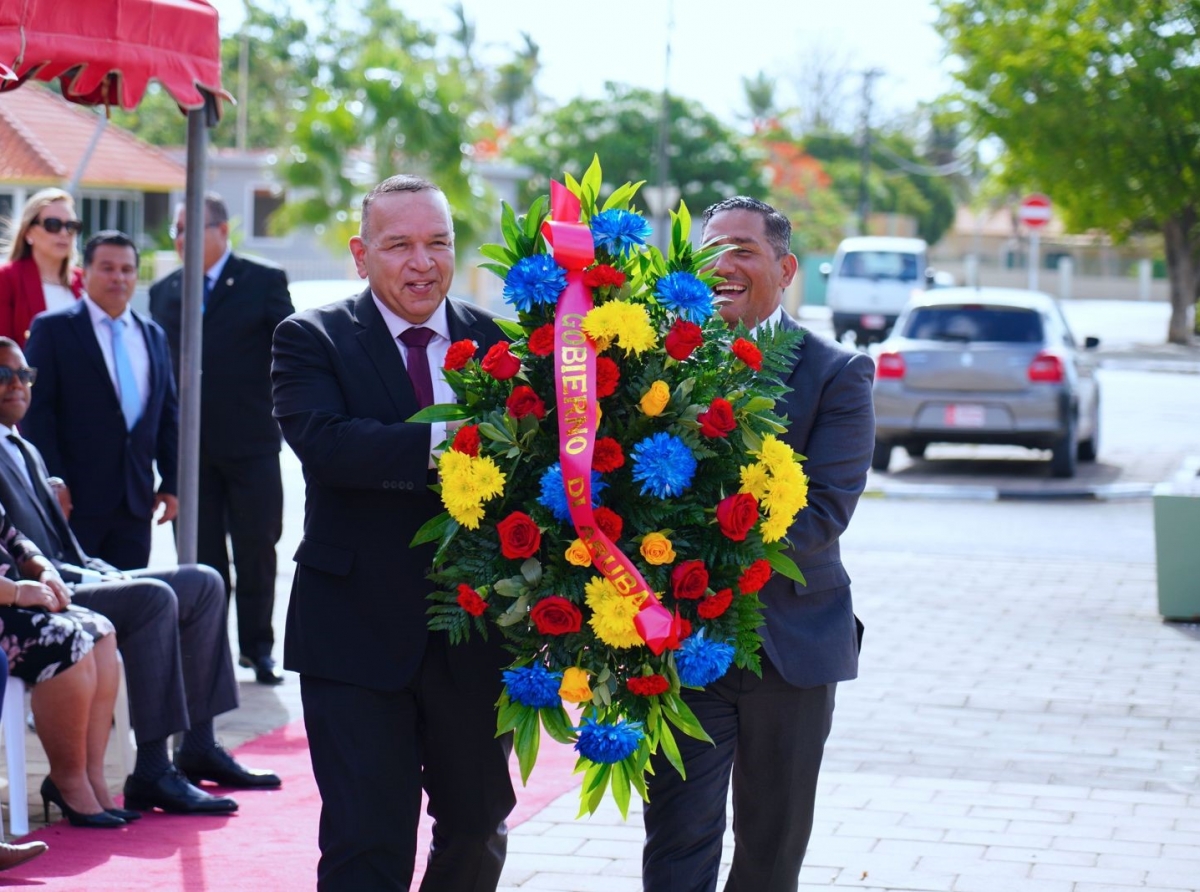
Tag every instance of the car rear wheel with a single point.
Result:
(916, 450)
(1064, 452)
(882, 456)
(1090, 448)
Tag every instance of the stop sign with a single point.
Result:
(1034, 211)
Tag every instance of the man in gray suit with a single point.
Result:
(171, 629)
(770, 732)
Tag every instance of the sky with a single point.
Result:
(714, 44)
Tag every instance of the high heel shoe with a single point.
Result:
(125, 814)
(100, 820)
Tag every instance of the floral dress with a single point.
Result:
(40, 644)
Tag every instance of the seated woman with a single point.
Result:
(69, 656)
(40, 274)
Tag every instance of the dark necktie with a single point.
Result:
(208, 290)
(416, 340)
(31, 471)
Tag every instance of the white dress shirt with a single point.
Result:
(436, 351)
(135, 346)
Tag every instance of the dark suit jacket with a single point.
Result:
(75, 416)
(22, 297)
(811, 634)
(249, 300)
(342, 394)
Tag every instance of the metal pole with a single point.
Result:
(190, 339)
(73, 186)
(864, 190)
(1035, 243)
(662, 237)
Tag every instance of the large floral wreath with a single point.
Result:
(618, 494)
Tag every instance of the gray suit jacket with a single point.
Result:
(811, 634)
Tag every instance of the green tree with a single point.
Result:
(708, 161)
(898, 178)
(1098, 104)
(383, 102)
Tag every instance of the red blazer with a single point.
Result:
(21, 296)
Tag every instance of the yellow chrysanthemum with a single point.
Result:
(577, 554)
(625, 323)
(656, 398)
(775, 528)
(574, 687)
(755, 480)
(657, 549)
(775, 453)
(612, 614)
(468, 482)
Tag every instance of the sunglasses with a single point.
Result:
(25, 376)
(53, 225)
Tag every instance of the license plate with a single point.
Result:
(968, 415)
(873, 321)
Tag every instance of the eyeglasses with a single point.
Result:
(54, 226)
(176, 232)
(25, 375)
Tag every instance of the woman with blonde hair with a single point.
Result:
(41, 273)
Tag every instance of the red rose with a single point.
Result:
(601, 275)
(459, 354)
(607, 455)
(541, 340)
(556, 615)
(718, 421)
(519, 536)
(748, 353)
(736, 514)
(608, 376)
(714, 605)
(683, 338)
(680, 629)
(466, 440)
(469, 600)
(500, 362)
(689, 580)
(754, 577)
(610, 523)
(648, 685)
(524, 401)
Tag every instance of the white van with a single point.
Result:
(870, 280)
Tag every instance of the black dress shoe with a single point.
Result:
(265, 671)
(172, 793)
(221, 768)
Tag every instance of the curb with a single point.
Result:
(1099, 493)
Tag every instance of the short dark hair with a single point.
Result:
(401, 182)
(777, 226)
(108, 237)
(7, 343)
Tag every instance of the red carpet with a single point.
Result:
(270, 844)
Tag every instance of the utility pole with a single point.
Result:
(662, 158)
(864, 191)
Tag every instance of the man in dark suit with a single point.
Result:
(770, 731)
(106, 413)
(240, 488)
(171, 628)
(390, 708)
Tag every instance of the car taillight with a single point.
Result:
(1046, 368)
(889, 365)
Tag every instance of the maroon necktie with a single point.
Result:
(416, 340)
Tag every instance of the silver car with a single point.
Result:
(986, 365)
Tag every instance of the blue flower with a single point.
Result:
(608, 743)
(534, 280)
(701, 662)
(686, 295)
(619, 232)
(534, 686)
(664, 465)
(554, 493)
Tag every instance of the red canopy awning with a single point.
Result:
(106, 53)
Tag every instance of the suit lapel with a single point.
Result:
(16, 481)
(81, 324)
(376, 342)
(226, 282)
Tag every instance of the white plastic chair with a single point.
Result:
(12, 728)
